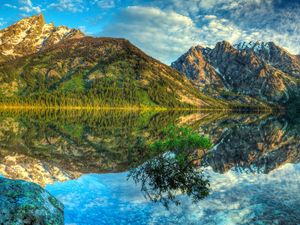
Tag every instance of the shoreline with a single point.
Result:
(240, 109)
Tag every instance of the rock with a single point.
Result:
(27, 203)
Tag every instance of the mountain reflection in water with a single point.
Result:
(253, 168)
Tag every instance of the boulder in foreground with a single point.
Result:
(27, 203)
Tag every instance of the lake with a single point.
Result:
(95, 163)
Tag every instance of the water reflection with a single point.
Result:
(253, 167)
(173, 168)
(163, 178)
(44, 147)
(50, 146)
(235, 198)
(256, 147)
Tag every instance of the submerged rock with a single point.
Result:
(27, 203)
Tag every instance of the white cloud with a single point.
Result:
(240, 20)
(167, 32)
(218, 30)
(105, 4)
(210, 17)
(162, 34)
(69, 5)
(194, 7)
(281, 27)
(10, 6)
(221, 29)
(25, 9)
(28, 7)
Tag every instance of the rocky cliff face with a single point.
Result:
(260, 70)
(197, 68)
(31, 35)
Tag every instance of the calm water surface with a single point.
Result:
(88, 160)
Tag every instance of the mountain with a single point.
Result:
(263, 71)
(272, 54)
(196, 67)
(47, 65)
(31, 35)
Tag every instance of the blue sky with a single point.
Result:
(167, 28)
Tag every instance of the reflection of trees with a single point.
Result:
(174, 170)
(101, 139)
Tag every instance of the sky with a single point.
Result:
(165, 29)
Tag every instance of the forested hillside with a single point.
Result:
(96, 72)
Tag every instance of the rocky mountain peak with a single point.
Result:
(272, 54)
(224, 46)
(262, 70)
(261, 49)
(195, 65)
(221, 51)
(29, 22)
(36, 19)
(30, 35)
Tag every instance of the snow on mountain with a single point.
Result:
(255, 46)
